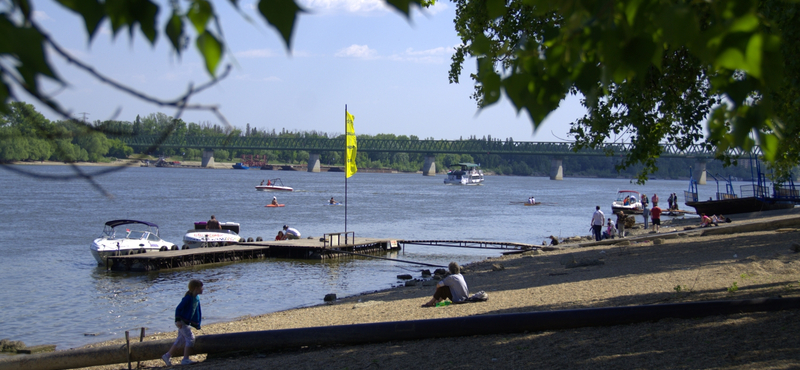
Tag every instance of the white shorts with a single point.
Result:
(185, 336)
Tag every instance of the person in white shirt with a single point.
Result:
(290, 233)
(598, 219)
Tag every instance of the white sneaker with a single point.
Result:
(187, 361)
(166, 359)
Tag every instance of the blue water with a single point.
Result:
(49, 275)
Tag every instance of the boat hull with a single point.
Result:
(627, 210)
(737, 205)
(273, 188)
(101, 250)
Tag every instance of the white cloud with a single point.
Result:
(430, 56)
(349, 6)
(255, 53)
(357, 51)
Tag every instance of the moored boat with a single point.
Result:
(200, 237)
(468, 174)
(628, 202)
(124, 237)
(240, 166)
(756, 197)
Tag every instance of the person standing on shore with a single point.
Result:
(621, 224)
(453, 287)
(654, 199)
(598, 219)
(655, 214)
(187, 314)
(645, 215)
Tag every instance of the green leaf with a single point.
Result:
(746, 23)
(404, 6)
(281, 14)
(211, 49)
(174, 31)
(91, 11)
(128, 13)
(753, 55)
(495, 8)
(490, 81)
(769, 146)
(199, 13)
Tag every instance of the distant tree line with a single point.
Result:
(26, 135)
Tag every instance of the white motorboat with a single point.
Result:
(200, 237)
(628, 202)
(468, 174)
(123, 237)
(273, 184)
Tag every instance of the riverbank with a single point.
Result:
(669, 267)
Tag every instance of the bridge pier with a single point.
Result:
(556, 169)
(699, 174)
(313, 162)
(208, 159)
(429, 168)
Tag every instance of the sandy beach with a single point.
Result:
(677, 265)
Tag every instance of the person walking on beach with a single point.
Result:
(655, 214)
(187, 314)
(598, 219)
(213, 224)
(453, 287)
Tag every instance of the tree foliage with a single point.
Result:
(649, 70)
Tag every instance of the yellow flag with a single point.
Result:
(350, 153)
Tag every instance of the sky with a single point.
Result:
(390, 72)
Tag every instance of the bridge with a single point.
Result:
(556, 150)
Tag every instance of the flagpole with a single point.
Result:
(345, 172)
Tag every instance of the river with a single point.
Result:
(54, 292)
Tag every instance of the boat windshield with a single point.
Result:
(136, 234)
(624, 194)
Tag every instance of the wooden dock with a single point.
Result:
(296, 249)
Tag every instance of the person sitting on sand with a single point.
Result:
(274, 201)
(705, 221)
(553, 240)
(279, 236)
(453, 287)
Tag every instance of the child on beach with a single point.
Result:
(187, 314)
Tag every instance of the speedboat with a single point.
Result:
(468, 174)
(124, 237)
(628, 202)
(200, 237)
(273, 184)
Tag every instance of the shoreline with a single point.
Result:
(680, 268)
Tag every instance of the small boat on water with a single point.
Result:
(200, 237)
(240, 166)
(273, 185)
(468, 174)
(628, 202)
(532, 204)
(124, 237)
(275, 205)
